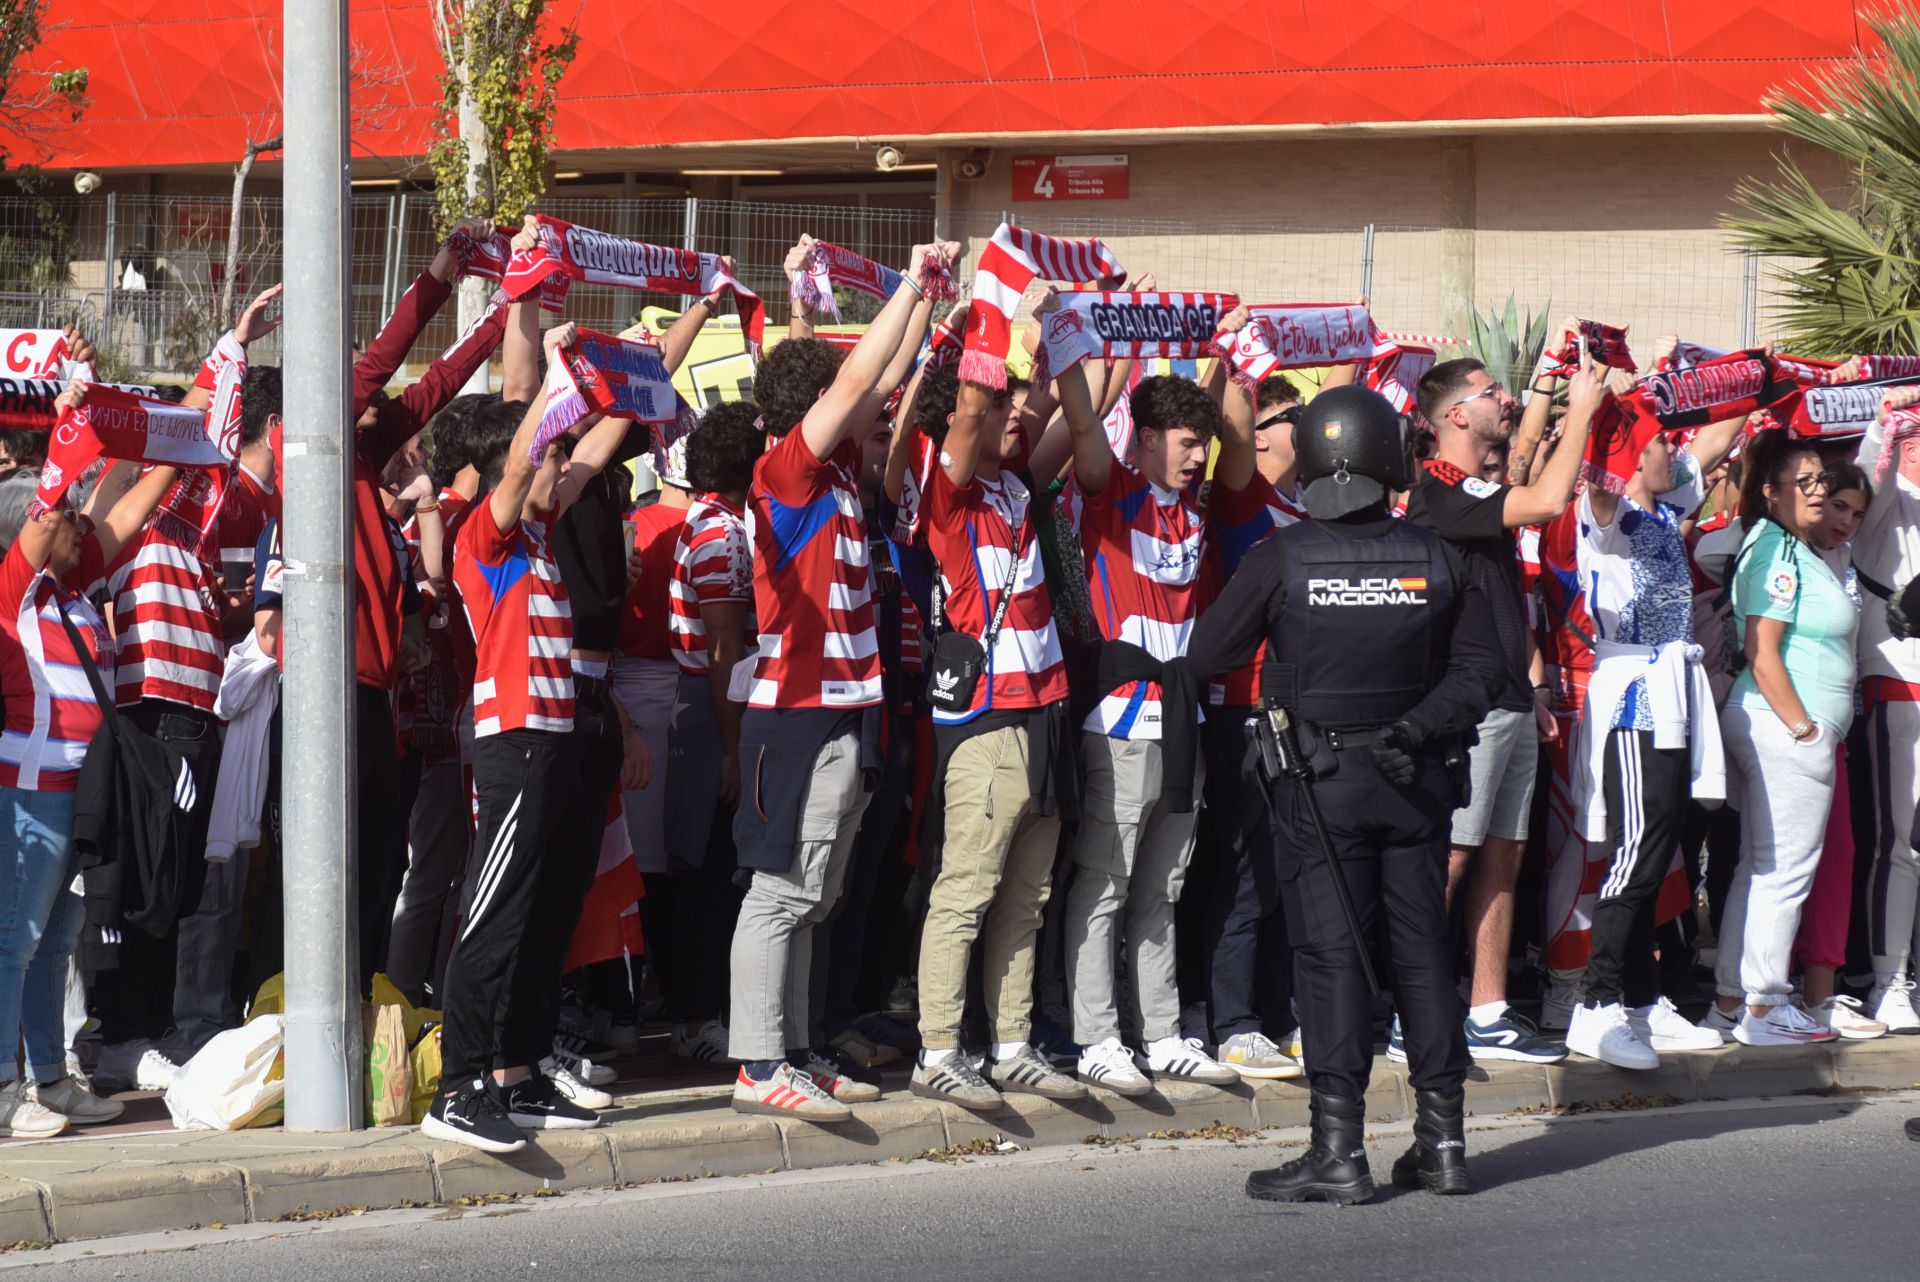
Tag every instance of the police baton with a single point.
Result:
(1294, 766)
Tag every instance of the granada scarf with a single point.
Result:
(1396, 373)
(1010, 262)
(1723, 387)
(1300, 336)
(573, 253)
(489, 259)
(119, 425)
(1841, 409)
(601, 374)
(1902, 426)
(27, 404)
(829, 266)
(1606, 344)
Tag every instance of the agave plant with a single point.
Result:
(1507, 346)
(1856, 286)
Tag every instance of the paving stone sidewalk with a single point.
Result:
(89, 1187)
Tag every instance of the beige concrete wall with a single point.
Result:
(1621, 227)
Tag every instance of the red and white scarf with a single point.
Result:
(602, 374)
(1301, 336)
(1397, 373)
(570, 252)
(119, 425)
(1010, 262)
(1903, 425)
(27, 404)
(1835, 410)
(1606, 344)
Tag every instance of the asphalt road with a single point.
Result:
(1753, 1190)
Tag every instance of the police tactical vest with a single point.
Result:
(1361, 635)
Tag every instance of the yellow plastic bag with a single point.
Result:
(425, 1062)
(270, 1000)
(389, 1080)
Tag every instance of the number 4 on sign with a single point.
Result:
(1041, 186)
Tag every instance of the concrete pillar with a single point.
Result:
(1458, 219)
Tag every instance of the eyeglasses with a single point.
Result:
(1291, 416)
(1491, 389)
(1813, 483)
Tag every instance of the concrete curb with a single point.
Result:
(169, 1180)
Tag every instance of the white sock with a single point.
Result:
(1487, 1012)
(934, 1058)
(1007, 1050)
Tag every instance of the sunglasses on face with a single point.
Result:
(1491, 389)
(1290, 416)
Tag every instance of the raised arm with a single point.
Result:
(509, 498)
(1533, 429)
(961, 452)
(1711, 443)
(859, 389)
(800, 317)
(419, 305)
(686, 327)
(1092, 457)
(1234, 467)
(520, 352)
(1547, 497)
(901, 448)
(129, 516)
(597, 448)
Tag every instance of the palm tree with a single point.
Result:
(1857, 286)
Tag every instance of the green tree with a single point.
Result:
(33, 104)
(503, 66)
(1856, 284)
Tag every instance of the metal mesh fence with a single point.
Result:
(145, 273)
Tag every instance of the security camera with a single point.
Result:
(887, 159)
(86, 182)
(971, 166)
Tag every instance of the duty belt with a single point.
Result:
(1339, 740)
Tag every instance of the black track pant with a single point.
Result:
(1646, 793)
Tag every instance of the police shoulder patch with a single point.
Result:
(1480, 489)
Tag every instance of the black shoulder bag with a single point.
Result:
(958, 660)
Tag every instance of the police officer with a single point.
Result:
(1380, 650)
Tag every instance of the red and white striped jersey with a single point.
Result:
(244, 513)
(1236, 521)
(165, 591)
(522, 627)
(812, 581)
(51, 712)
(1143, 546)
(975, 535)
(712, 565)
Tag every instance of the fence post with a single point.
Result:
(690, 230)
(386, 252)
(392, 301)
(113, 279)
(322, 969)
(1366, 261)
(1750, 301)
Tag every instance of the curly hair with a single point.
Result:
(1166, 402)
(451, 431)
(1276, 389)
(790, 379)
(259, 401)
(721, 452)
(938, 395)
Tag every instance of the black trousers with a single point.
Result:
(1391, 845)
(535, 861)
(135, 1001)
(384, 803)
(1238, 968)
(1646, 793)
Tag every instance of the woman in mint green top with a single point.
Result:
(1787, 711)
(1781, 578)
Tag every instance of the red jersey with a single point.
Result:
(165, 589)
(812, 581)
(645, 627)
(1143, 546)
(51, 711)
(516, 606)
(441, 687)
(1236, 521)
(978, 536)
(244, 514)
(712, 565)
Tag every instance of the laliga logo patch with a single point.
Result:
(1480, 489)
(1348, 592)
(1782, 587)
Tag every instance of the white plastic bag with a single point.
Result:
(237, 1079)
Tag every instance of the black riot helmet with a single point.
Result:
(1352, 447)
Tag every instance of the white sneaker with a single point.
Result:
(71, 1098)
(1892, 1004)
(1719, 1022)
(1109, 1064)
(1556, 1007)
(708, 1046)
(1187, 1058)
(1843, 1015)
(571, 1051)
(1666, 1029)
(137, 1065)
(572, 1085)
(1604, 1033)
(23, 1118)
(1782, 1025)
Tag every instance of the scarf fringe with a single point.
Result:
(983, 368)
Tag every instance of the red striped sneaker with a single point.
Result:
(787, 1093)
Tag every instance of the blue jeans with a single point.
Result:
(40, 919)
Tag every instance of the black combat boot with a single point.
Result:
(1437, 1162)
(1333, 1170)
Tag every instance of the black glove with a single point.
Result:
(1393, 754)
(1903, 611)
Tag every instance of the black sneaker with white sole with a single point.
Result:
(469, 1114)
(536, 1104)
